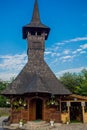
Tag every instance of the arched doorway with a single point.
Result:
(38, 109)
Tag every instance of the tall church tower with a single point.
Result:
(36, 33)
(36, 76)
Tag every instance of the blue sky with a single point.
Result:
(66, 47)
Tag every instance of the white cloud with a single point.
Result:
(66, 57)
(56, 48)
(11, 64)
(54, 62)
(59, 43)
(47, 52)
(55, 54)
(7, 76)
(82, 52)
(76, 51)
(84, 46)
(55, 51)
(76, 39)
(66, 52)
(73, 70)
(81, 49)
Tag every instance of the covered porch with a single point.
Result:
(74, 109)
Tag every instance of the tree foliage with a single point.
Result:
(3, 85)
(76, 83)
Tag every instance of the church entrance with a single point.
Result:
(38, 109)
(35, 109)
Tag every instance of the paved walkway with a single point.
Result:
(72, 126)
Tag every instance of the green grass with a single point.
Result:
(4, 114)
(75, 121)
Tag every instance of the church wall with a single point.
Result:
(48, 113)
(29, 114)
(52, 114)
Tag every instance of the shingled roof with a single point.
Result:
(41, 79)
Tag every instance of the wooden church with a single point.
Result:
(36, 93)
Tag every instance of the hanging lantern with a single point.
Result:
(52, 102)
(20, 101)
(24, 104)
(8, 101)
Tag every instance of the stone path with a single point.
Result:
(72, 126)
(78, 126)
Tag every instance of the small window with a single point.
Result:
(63, 107)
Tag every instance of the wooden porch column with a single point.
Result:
(83, 105)
(83, 113)
(68, 107)
(69, 112)
(28, 109)
(43, 111)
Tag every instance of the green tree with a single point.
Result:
(71, 81)
(83, 88)
(3, 85)
(84, 74)
(76, 83)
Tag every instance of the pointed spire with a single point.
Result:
(35, 25)
(36, 15)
